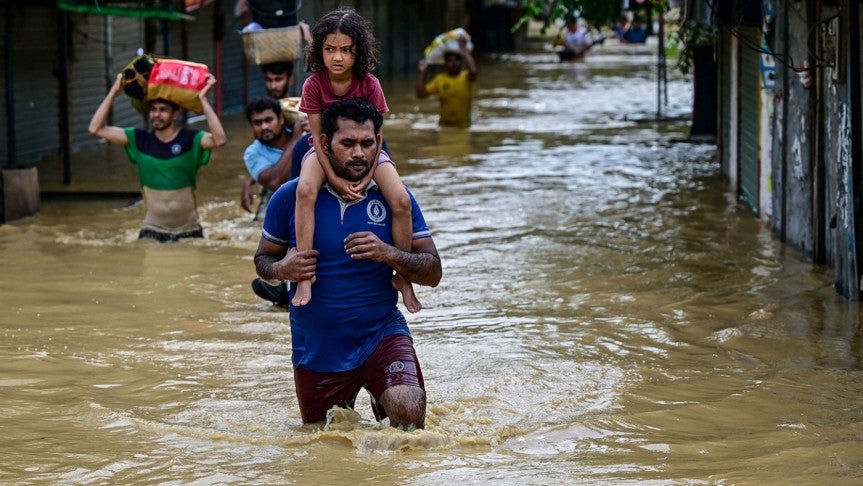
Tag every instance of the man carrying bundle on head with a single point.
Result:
(168, 158)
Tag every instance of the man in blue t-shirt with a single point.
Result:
(351, 335)
(273, 158)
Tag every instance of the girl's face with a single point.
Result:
(338, 52)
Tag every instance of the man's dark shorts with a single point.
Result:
(393, 362)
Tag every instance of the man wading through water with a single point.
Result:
(351, 335)
(168, 158)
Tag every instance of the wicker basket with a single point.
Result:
(272, 45)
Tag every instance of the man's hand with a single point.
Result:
(423, 65)
(462, 42)
(421, 265)
(301, 125)
(118, 84)
(365, 245)
(297, 265)
(211, 81)
(304, 124)
(247, 198)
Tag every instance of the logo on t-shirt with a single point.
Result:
(176, 149)
(377, 211)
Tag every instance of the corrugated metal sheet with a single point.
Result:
(4, 122)
(100, 47)
(725, 101)
(750, 110)
(34, 64)
(88, 78)
(199, 35)
(232, 65)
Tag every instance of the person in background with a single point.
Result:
(278, 77)
(636, 33)
(351, 335)
(168, 158)
(621, 27)
(576, 40)
(272, 159)
(454, 87)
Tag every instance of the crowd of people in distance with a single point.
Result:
(576, 38)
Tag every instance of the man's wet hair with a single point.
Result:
(353, 109)
(173, 105)
(262, 104)
(284, 67)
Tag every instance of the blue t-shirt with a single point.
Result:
(260, 157)
(353, 304)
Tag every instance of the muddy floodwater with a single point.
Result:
(609, 314)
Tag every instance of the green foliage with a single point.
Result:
(597, 13)
(691, 34)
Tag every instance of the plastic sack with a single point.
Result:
(446, 42)
(179, 82)
(134, 81)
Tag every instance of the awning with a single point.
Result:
(160, 9)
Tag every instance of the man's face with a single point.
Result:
(161, 115)
(268, 126)
(277, 84)
(352, 149)
(452, 62)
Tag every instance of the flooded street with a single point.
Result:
(609, 314)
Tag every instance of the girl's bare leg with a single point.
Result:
(312, 177)
(397, 197)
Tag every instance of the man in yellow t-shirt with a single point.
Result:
(454, 88)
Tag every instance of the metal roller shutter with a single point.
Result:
(750, 110)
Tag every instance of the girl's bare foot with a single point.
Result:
(409, 298)
(303, 294)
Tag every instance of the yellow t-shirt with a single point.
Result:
(454, 93)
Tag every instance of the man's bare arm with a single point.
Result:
(99, 123)
(277, 263)
(216, 137)
(421, 265)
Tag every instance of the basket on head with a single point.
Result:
(272, 45)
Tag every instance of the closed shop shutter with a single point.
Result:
(88, 77)
(4, 123)
(126, 37)
(232, 65)
(750, 109)
(34, 61)
(200, 37)
(725, 101)
(100, 47)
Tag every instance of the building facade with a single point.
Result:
(789, 121)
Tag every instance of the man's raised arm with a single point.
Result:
(99, 123)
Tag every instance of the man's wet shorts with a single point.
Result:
(393, 362)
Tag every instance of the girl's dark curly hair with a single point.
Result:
(347, 21)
